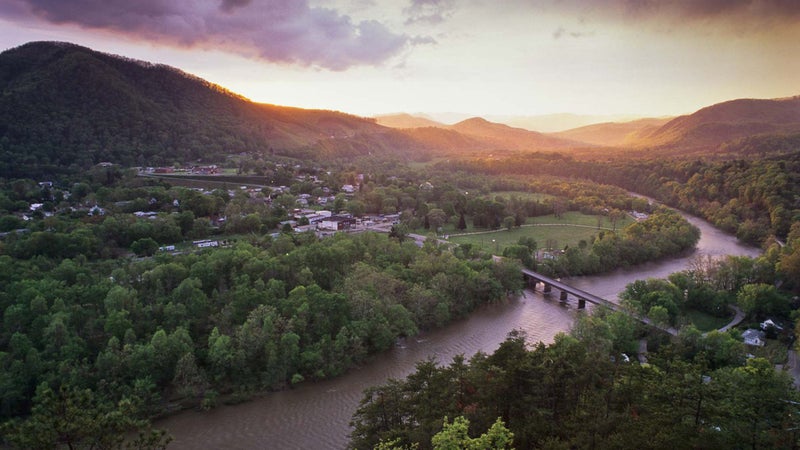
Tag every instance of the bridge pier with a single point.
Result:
(581, 303)
(547, 288)
(563, 296)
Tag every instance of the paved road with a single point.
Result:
(737, 318)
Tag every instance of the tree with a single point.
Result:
(790, 264)
(520, 252)
(615, 216)
(356, 208)
(761, 408)
(642, 295)
(659, 315)
(189, 380)
(436, 218)
(761, 300)
(76, 418)
(509, 222)
(462, 222)
(144, 247)
(286, 201)
(454, 436)
(399, 231)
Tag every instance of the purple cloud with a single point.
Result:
(283, 31)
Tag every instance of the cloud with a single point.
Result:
(282, 31)
(429, 12)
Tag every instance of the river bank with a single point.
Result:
(317, 415)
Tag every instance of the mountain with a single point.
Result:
(479, 130)
(404, 120)
(726, 122)
(65, 108)
(553, 123)
(613, 134)
(510, 138)
(543, 123)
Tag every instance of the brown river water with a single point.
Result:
(317, 415)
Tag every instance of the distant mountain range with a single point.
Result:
(497, 135)
(614, 134)
(65, 107)
(708, 129)
(725, 122)
(543, 123)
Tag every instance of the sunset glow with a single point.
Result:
(370, 57)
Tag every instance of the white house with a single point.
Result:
(754, 337)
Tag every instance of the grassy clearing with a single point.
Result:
(577, 218)
(706, 322)
(496, 241)
(569, 229)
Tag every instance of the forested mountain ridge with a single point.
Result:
(712, 126)
(64, 105)
(512, 138)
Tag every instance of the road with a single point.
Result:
(737, 318)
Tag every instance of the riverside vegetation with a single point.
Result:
(102, 330)
(112, 339)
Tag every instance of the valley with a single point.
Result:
(168, 245)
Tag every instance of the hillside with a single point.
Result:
(715, 125)
(510, 138)
(612, 134)
(64, 108)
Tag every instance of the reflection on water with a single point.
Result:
(317, 416)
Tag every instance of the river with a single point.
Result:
(317, 415)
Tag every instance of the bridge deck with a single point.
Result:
(591, 298)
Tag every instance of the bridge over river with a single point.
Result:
(534, 278)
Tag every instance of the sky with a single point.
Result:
(648, 58)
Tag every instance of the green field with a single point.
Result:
(570, 229)
(577, 218)
(706, 322)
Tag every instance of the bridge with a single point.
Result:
(534, 278)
